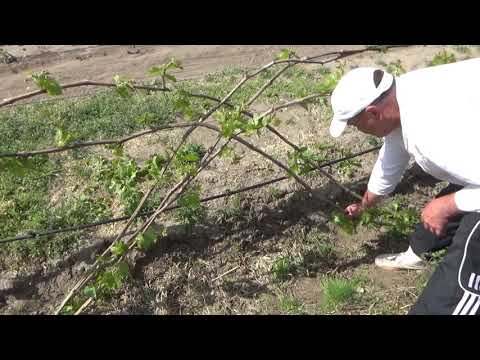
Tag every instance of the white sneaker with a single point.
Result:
(407, 260)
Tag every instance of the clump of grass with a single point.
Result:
(234, 207)
(443, 57)
(283, 267)
(294, 83)
(290, 305)
(338, 291)
(274, 193)
(396, 68)
(320, 243)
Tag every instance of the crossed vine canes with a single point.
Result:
(234, 122)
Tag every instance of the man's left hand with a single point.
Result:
(437, 212)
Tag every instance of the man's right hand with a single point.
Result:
(354, 210)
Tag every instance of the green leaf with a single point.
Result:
(107, 282)
(124, 86)
(174, 64)
(331, 80)
(162, 69)
(170, 77)
(231, 122)
(122, 270)
(45, 82)
(443, 57)
(156, 70)
(90, 291)
(186, 108)
(346, 224)
(187, 158)
(67, 310)
(285, 54)
(146, 240)
(119, 248)
(396, 68)
(154, 166)
(191, 210)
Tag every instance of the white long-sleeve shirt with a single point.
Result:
(440, 129)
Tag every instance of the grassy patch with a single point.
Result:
(283, 268)
(443, 57)
(233, 208)
(290, 305)
(26, 199)
(337, 292)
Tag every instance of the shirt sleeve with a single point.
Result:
(468, 199)
(390, 166)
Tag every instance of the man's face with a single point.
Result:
(372, 123)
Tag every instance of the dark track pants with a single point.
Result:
(454, 287)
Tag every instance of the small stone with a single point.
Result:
(80, 268)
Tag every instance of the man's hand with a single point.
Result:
(437, 212)
(369, 199)
(354, 210)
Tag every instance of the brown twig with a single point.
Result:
(226, 273)
(179, 188)
(73, 85)
(25, 154)
(209, 198)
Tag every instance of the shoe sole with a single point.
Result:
(398, 267)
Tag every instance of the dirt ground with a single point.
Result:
(71, 63)
(177, 276)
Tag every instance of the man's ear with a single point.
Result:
(373, 110)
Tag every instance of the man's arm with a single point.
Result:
(386, 174)
(437, 212)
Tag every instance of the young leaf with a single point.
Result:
(122, 270)
(156, 70)
(107, 282)
(443, 57)
(90, 291)
(124, 86)
(119, 248)
(174, 64)
(285, 54)
(146, 240)
(191, 210)
(170, 77)
(346, 224)
(45, 82)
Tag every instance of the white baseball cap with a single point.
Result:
(354, 92)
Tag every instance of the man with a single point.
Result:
(432, 115)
